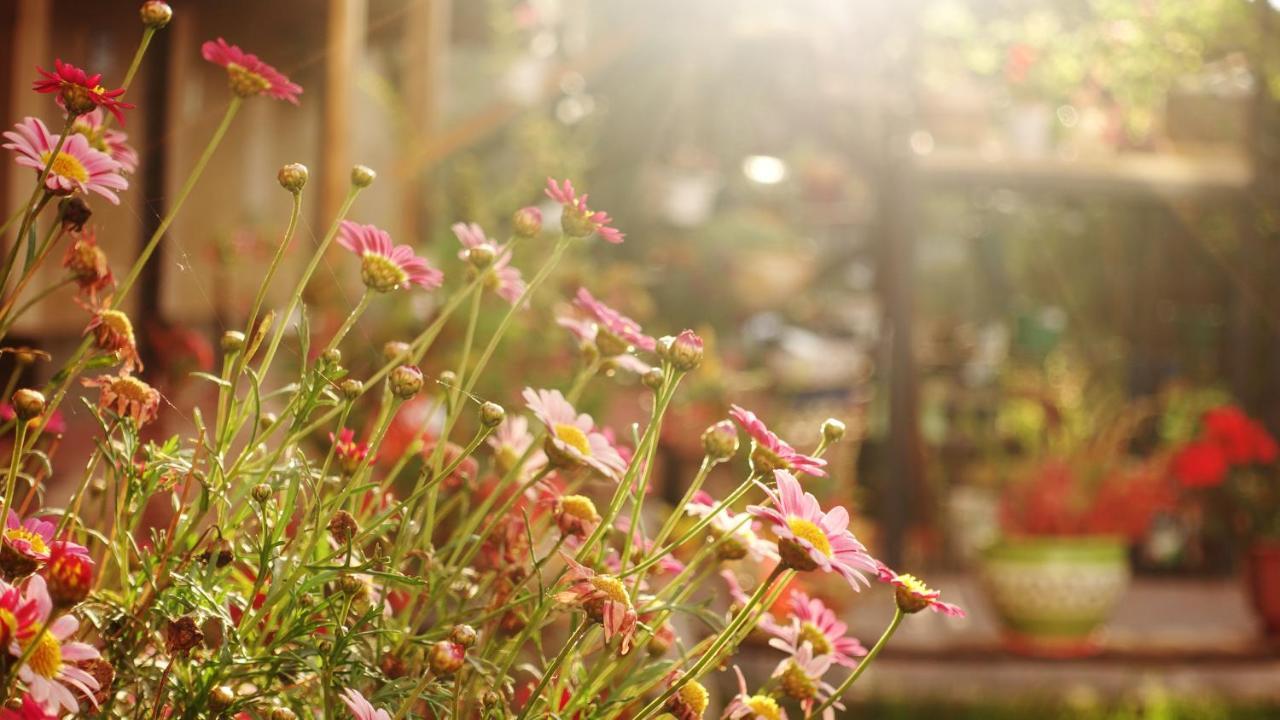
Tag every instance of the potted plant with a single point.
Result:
(1229, 470)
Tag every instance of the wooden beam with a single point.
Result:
(425, 43)
(344, 46)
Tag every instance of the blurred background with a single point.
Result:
(1025, 249)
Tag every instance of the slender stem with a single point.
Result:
(570, 646)
(669, 524)
(352, 317)
(275, 264)
(413, 695)
(20, 435)
(123, 290)
(145, 42)
(45, 247)
(862, 664)
(8, 322)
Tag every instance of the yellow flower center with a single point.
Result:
(816, 638)
(46, 659)
(8, 626)
(579, 507)
(66, 166)
(131, 388)
(381, 273)
(693, 697)
(764, 706)
(574, 437)
(796, 683)
(806, 530)
(246, 83)
(612, 587)
(913, 585)
(21, 533)
(118, 323)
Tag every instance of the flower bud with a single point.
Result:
(282, 713)
(220, 698)
(28, 403)
(215, 633)
(405, 381)
(362, 176)
(331, 357)
(261, 493)
(481, 256)
(527, 222)
(343, 527)
(685, 351)
(232, 341)
(448, 378)
(74, 213)
(492, 414)
(351, 388)
(653, 378)
(720, 441)
(353, 586)
(155, 13)
(68, 574)
(293, 177)
(393, 666)
(446, 657)
(464, 635)
(832, 430)
(395, 350)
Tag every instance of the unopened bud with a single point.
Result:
(232, 341)
(654, 378)
(261, 493)
(221, 697)
(362, 176)
(446, 657)
(720, 441)
(481, 256)
(405, 381)
(527, 222)
(448, 378)
(464, 635)
(74, 212)
(351, 388)
(492, 414)
(28, 403)
(331, 357)
(395, 350)
(155, 13)
(832, 430)
(283, 713)
(685, 351)
(293, 177)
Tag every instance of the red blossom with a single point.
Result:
(80, 91)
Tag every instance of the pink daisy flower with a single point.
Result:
(77, 168)
(247, 74)
(800, 677)
(79, 91)
(810, 539)
(913, 595)
(500, 277)
(614, 332)
(511, 440)
(814, 623)
(103, 139)
(770, 452)
(742, 541)
(573, 438)
(385, 267)
(28, 710)
(745, 706)
(50, 672)
(360, 708)
(18, 614)
(579, 220)
(26, 545)
(604, 599)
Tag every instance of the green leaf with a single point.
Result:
(212, 378)
(31, 247)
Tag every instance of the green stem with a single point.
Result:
(570, 646)
(862, 664)
(15, 460)
(352, 317)
(143, 44)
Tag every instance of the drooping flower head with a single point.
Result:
(770, 452)
(912, 595)
(362, 709)
(113, 333)
(384, 266)
(115, 143)
(127, 396)
(814, 623)
(614, 333)
(247, 74)
(734, 532)
(745, 706)
(499, 276)
(50, 672)
(87, 264)
(800, 677)
(810, 539)
(604, 599)
(579, 220)
(76, 168)
(79, 91)
(572, 437)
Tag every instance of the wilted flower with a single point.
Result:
(247, 74)
(579, 220)
(384, 266)
(689, 702)
(745, 706)
(49, 672)
(77, 168)
(79, 91)
(114, 334)
(88, 264)
(770, 452)
(814, 623)
(576, 515)
(92, 125)
(810, 539)
(604, 599)
(360, 708)
(573, 437)
(127, 396)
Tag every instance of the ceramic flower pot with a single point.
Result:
(1262, 572)
(1053, 594)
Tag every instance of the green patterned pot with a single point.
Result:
(1054, 594)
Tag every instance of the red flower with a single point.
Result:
(80, 92)
(248, 75)
(68, 573)
(1243, 440)
(1200, 464)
